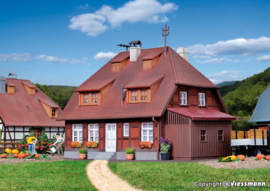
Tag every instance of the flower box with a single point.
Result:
(75, 145)
(92, 144)
(146, 144)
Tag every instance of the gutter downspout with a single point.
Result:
(153, 119)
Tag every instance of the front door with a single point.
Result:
(111, 137)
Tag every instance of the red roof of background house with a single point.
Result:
(201, 114)
(173, 67)
(14, 111)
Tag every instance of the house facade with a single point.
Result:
(25, 109)
(141, 95)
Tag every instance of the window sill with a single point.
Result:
(183, 105)
(202, 106)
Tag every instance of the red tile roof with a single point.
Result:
(144, 82)
(10, 84)
(120, 57)
(171, 67)
(50, 103)
(152, 55)
(29, 84)
(14, 111)
(186, 74)
(202, 114)
(95, 84)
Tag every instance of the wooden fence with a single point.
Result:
(10, 145)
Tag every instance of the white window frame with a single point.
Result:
(78, 132)
(183, 98)
(148, 129)
(201, 99)
(126, 125)
(94, 132)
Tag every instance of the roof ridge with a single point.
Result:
(172, 63)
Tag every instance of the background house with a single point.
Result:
(141, 95)
(25, 109)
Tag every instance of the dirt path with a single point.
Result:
(104, 180)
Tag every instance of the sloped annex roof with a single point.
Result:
(202, 114)
(14, 107)
(261, 112)
(168, 68)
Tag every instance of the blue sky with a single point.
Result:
(65, 42)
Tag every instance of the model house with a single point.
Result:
(25, 109)
(141, 95)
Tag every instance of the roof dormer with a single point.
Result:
(119, 62)
(50, 108)
(95, 93)
(29, 87)
(10, 88)
(150, 60)
(143, 89)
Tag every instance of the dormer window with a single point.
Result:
(143, 95)
(94, 97)
(118, 65)
(53, 112)
(149, 61)
(30, 88)
(85, 98)
(134, 96)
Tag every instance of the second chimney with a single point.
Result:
(2, 85)
(183, 51)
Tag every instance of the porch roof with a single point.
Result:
(202, 114)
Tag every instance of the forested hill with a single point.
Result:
(241, 97)
(226, 83)
(59, 94)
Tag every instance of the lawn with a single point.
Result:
(60, 175)
(181, 176)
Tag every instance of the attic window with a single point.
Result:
(118, 66)
(139, 95)
(149, 63)
(53, 112)
(90, 98)
(10, 89)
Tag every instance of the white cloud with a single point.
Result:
(85, 58)
(214, 81)
(25, 57)
(91, 24)
(150, 11)
(240, 46)
(216, 61)
(59, 60)
(264, 58)
(83, 7)
(104, 56)
(258, 71)
(226, 75)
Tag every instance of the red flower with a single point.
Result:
(27, 144)
(18, 148)
(48, 149)
(44, 143)
(25, 147)
(38, 142)
(47, 139)
(22, 140)
(41, 149)
(22, 145)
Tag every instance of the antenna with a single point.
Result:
(164, 33)
(124, 45)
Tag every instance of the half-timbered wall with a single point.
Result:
(212, 100)
(13, 134)
(122, 142)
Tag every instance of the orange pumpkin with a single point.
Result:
(26, 154)
(37, 156)
(242, 157)
(260, 156)
(21, 155)
(4, 155)
(15, 155)
(267, 157)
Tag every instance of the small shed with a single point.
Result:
(198, 133)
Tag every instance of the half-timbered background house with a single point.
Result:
(25, 109)
(141, 95)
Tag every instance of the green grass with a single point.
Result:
(181, 176)
(61, 175)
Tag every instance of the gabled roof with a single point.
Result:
(168, 68)
(261, 112)
(202, 114)
(14, 107)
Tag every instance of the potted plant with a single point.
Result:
(92, 144)
(82, 154)
(146, 144)
(130, 153)
(165, 145)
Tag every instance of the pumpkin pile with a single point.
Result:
(242, 157)
(4, 155)
(267, 157)
(15, 151)
(260, 156)
(8, 151)
(21, 155)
